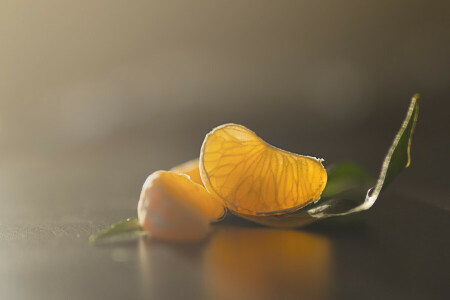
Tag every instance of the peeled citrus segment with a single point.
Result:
(172, 207)
(190, 168)
(255, 178)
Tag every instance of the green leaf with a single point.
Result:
(346, 192)
(345, 177)
(130, 225)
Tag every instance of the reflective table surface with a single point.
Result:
(398, 250)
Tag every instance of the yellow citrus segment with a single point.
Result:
(171, 205)
(253, 177)
(180, 187)
(168, 217)
(191, 169)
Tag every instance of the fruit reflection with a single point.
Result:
(260, 263)
(170, 270)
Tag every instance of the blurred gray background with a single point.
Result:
(95, 95)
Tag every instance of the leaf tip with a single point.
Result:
(414, 107)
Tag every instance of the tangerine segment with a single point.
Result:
(253, 177)
(190, 168)
(172, 190)
(179, 186)
(168, 217)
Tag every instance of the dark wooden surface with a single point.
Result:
(398, 250)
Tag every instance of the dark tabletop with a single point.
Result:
(398, 250)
